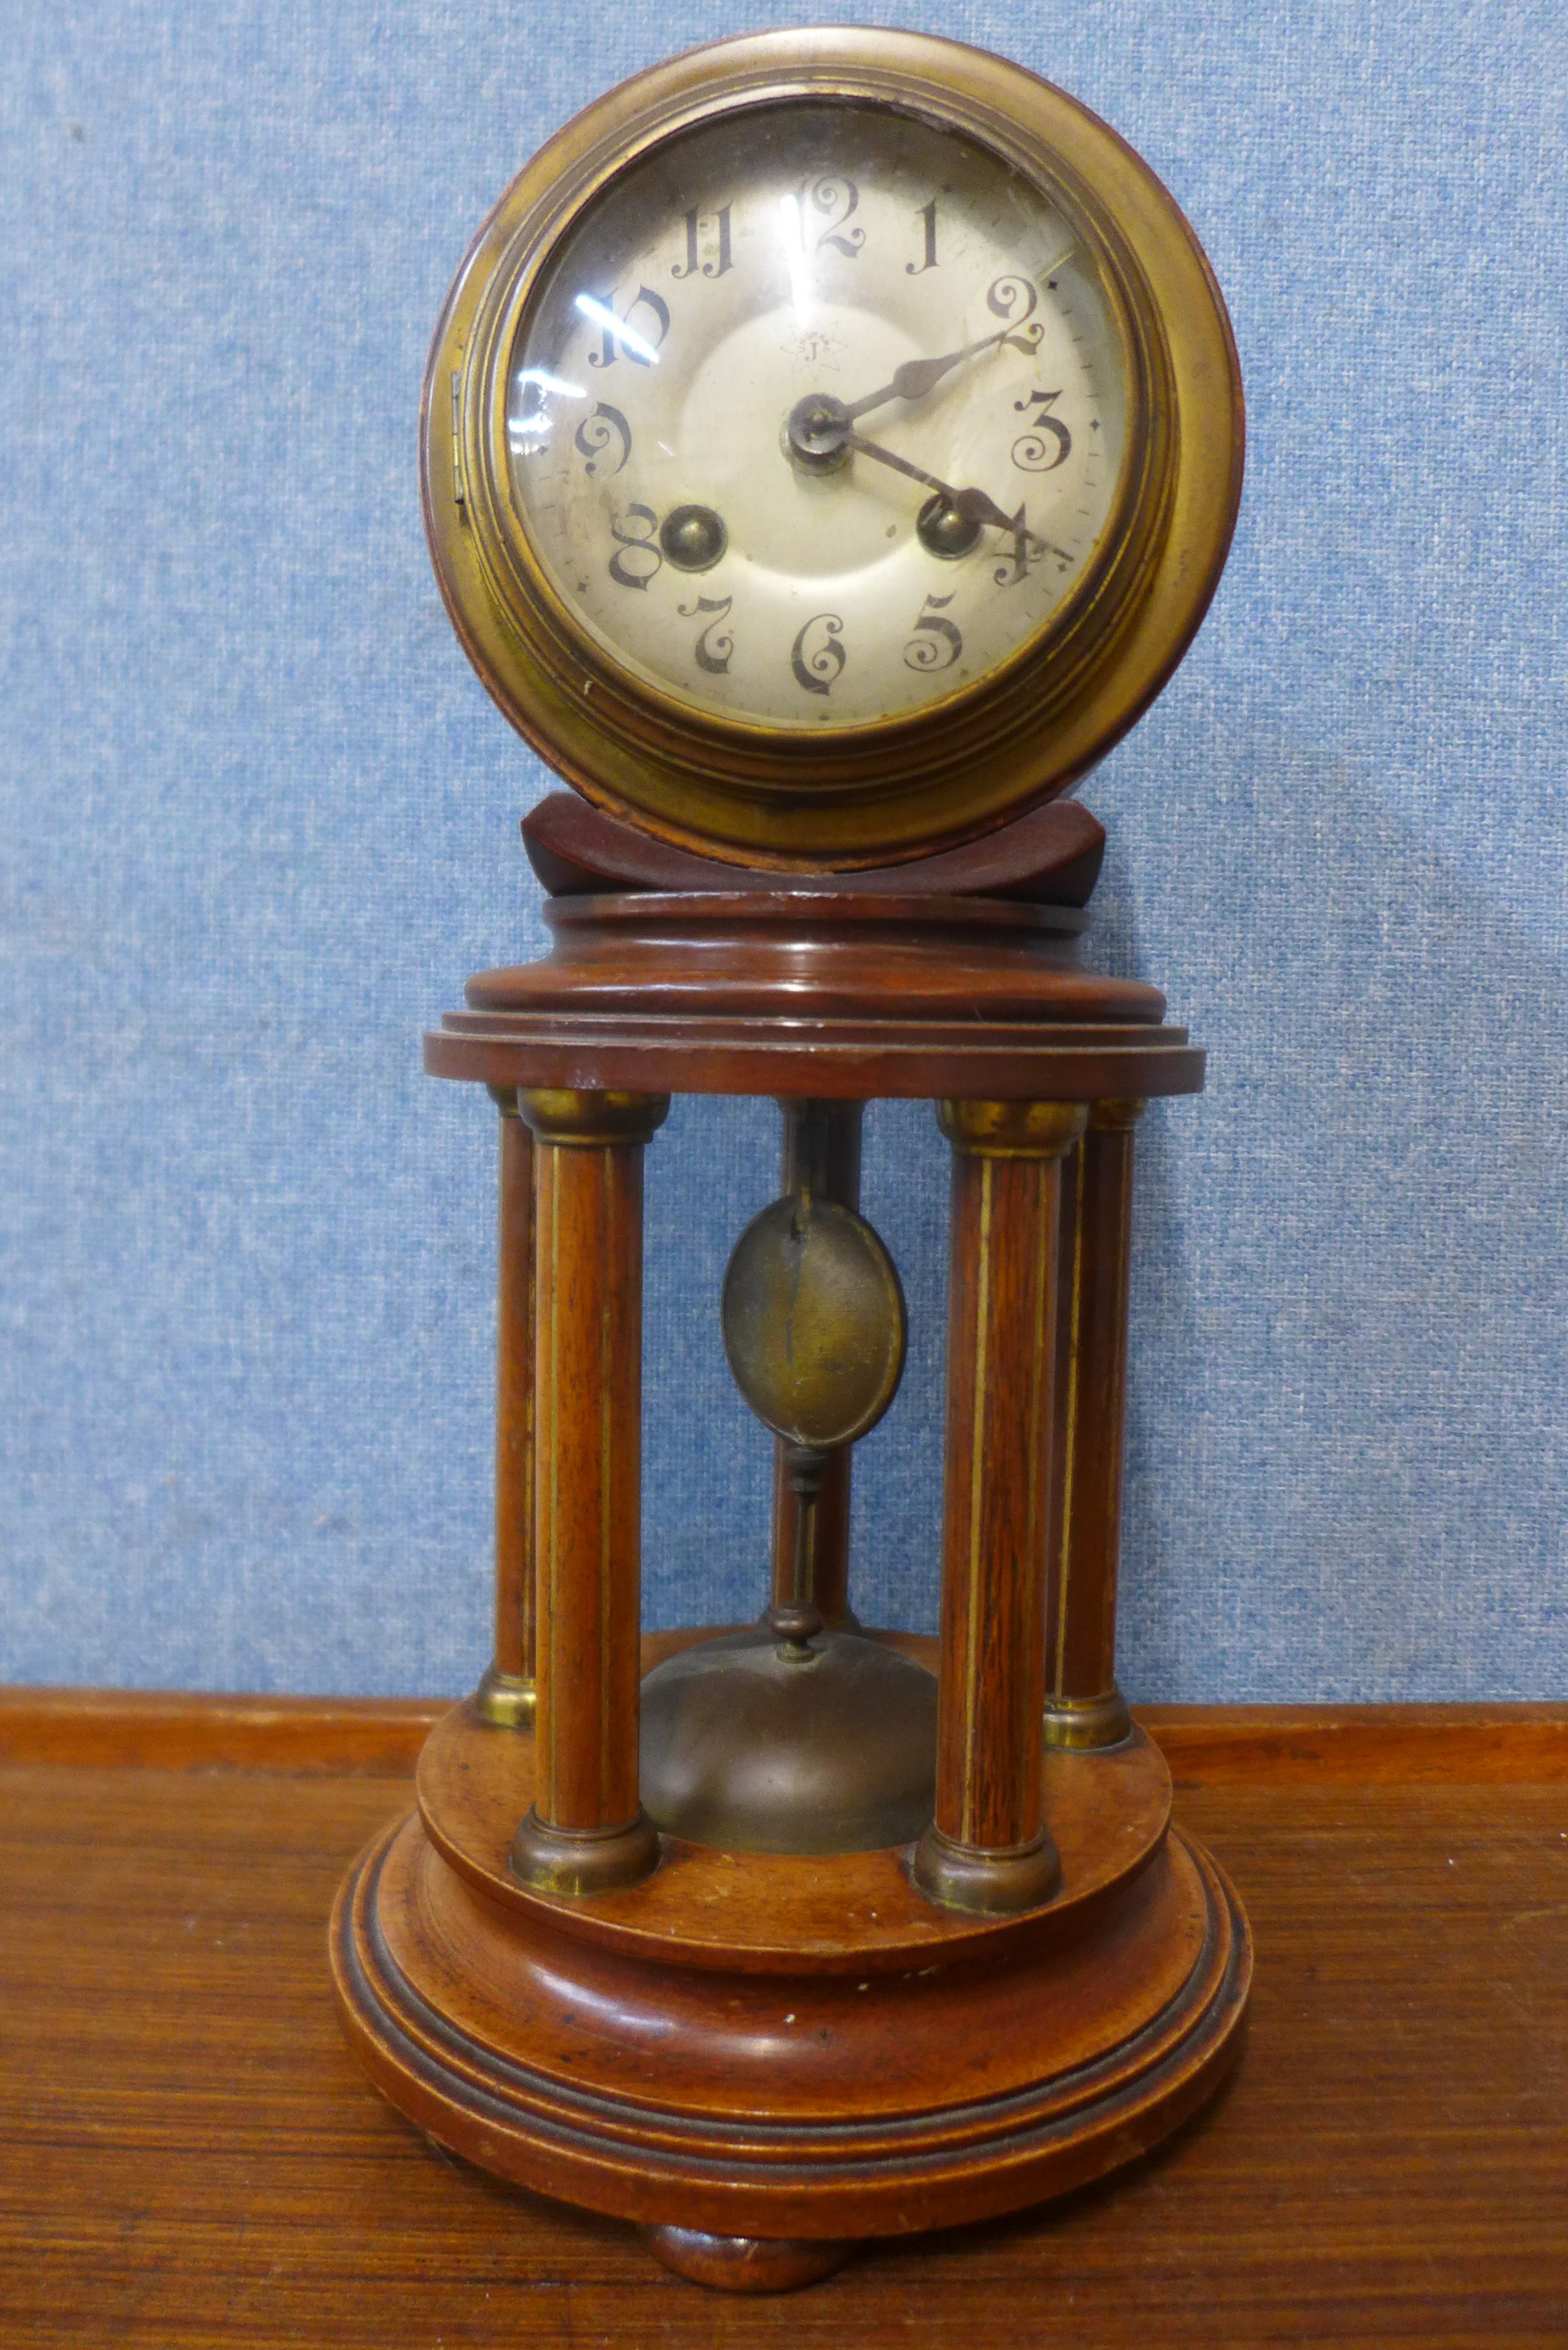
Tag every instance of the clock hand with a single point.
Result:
(818, 434)
(917, 377)
(972, 505)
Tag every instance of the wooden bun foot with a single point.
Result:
(744, 2263)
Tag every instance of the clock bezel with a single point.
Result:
(894, 788)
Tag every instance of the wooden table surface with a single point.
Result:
(189, 2156)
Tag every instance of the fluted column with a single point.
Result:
(505, 1696)
(988, 1848)
(1083, 1707)
(587, 1831)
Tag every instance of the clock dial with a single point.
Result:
(818, 415)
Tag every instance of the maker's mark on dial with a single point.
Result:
(814, 346)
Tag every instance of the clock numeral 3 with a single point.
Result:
(816, 657)
(936, 643)
(715, 643)
(1032, 451)
(603, 429)
(715, 268)
(834, 199)
(637, 558)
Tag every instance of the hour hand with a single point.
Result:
(917, 377)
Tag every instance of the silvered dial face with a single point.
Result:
(818, 415)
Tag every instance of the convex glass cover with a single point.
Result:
(818, 414)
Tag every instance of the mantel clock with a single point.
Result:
(830, 446)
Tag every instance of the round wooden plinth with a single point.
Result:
(791, 2095)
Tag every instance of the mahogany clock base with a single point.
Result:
(844, 2062)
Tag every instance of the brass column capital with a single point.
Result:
(560, 1114)
(1011, 1129)
(1115, 1117)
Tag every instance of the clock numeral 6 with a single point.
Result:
(936, 643)
(816, 657)
(715, 643)
(603, 429)
(1032, 451)
(637, 558)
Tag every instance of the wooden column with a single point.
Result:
(505, 1696)
(1083, 1707)
(988, 1848)
(822, 1155)
(587, 1831)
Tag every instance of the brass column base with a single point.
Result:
(992, 1883)
(1081, 1722)
(576, 1861)
(507, 1700)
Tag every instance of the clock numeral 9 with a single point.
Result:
(638, 558)
(1032, 451)
(816, 657)
(936, 643)
(604, 428)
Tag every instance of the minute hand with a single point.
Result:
(917, 377)
(972, 503)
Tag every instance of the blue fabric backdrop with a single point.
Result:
(261, 821)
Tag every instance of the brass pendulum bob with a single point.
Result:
(792, 1737)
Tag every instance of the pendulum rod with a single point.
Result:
(796, 1619)
(505, 1696)
(821, 1156)
(988, 1848)
(587, 1831)
(1083, 1707)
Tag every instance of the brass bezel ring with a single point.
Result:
(897, 789)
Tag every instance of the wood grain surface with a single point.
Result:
(190, 2158)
